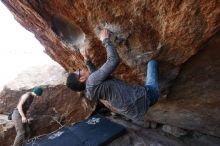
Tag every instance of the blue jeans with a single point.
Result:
(151, 82)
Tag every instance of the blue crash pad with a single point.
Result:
(95, 131)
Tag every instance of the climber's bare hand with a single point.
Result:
(84, 53)
(104, 34)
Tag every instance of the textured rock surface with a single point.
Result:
(6, 131)
(172, 31)
(57, 106)
(139, 136)
(57, 98)
(173, 130)
(134, 135)
(194, 99)
(141, 27)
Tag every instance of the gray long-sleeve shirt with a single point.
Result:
(129, 100)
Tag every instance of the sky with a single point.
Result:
(19, 49)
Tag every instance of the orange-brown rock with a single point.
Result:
(56, 107)
(171, 31)
(141, 27)
(56, 100)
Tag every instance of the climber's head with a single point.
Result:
(76, 80)
(37, 91)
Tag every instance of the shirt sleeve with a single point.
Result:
(108, 67)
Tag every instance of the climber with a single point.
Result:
(131, 101)
(19, 117)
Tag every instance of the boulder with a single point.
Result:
(57, 106)
(7, 131)
(139, 136)
(175, 131)
(172, 32)
(193, 102)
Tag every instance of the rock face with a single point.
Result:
(56, 107)
(193, 102)
(56, 98)
(136, 136)
(171, 31)
(7, 131)
(141, 28)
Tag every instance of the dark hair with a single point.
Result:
(74, 83)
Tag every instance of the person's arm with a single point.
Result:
(111, 63)
(20, 105)
(91, 67)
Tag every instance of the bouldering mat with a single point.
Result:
(95, 131)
